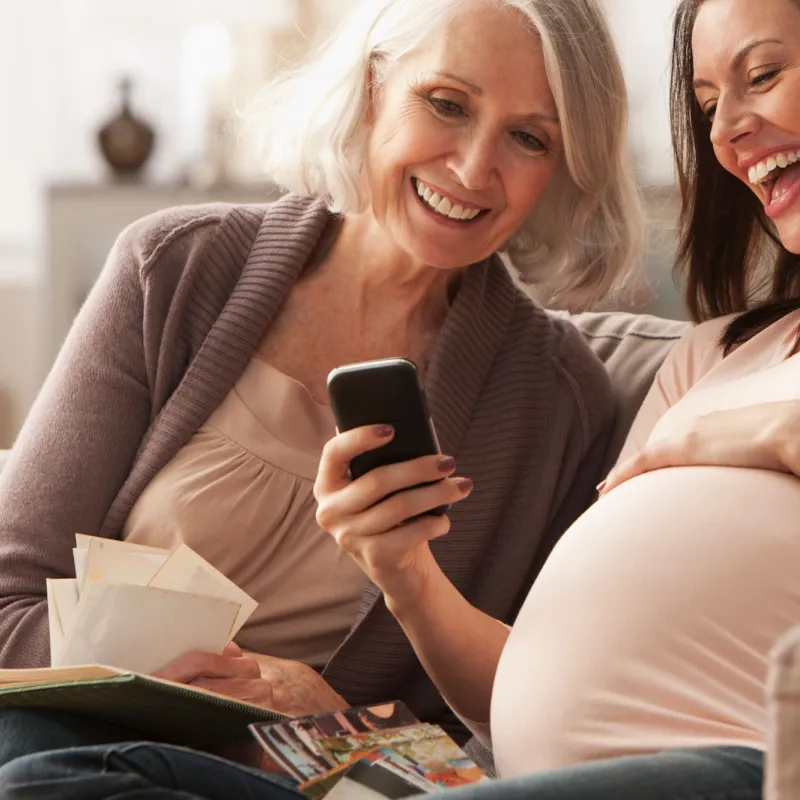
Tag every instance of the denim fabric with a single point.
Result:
(25, 731)
(141, 770)
(134, 771)
(724, 773)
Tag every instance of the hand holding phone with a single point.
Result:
(386, 524)
(385, 392)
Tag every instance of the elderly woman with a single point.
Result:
(189, 401)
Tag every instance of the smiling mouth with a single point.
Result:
(444, 206)
(774, 176)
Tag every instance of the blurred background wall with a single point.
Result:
(185, 67)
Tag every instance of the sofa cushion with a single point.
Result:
(783, 719)
(632, 347)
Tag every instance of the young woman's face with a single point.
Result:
(747, 82)
(464, 139)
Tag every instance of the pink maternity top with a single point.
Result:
(240, 493)
(650, 625)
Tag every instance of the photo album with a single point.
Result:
(131, 609)
(368, 753)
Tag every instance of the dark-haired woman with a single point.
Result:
(736, 133)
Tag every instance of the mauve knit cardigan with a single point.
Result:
(178, 311)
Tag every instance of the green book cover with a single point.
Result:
(160, 710)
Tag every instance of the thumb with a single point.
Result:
(623, 472)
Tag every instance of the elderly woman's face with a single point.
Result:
(747, 81)
(464, 139)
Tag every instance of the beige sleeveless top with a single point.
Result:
(240, 494)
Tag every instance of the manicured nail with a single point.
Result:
(384, 431)
(465, 485)
(601, 486)
(446, 464)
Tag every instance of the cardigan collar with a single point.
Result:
(464, 351)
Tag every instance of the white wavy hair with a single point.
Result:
(583, 238)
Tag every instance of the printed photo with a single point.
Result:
(296, 743)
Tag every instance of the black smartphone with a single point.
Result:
(383, 392)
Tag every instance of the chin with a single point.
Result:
(442, 258)
(789, 236)
(449, 261)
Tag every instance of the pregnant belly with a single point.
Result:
(650, 625)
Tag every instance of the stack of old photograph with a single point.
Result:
(367, 753)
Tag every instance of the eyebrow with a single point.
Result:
(475, 89)
(738, 60)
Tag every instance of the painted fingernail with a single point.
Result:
(465, 485)
(384, 431)
(446, 464)
(601, 486)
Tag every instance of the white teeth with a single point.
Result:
(756, 174)
(456, 212)
(445, 206)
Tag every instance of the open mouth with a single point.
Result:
(777, 177)
(446, 207)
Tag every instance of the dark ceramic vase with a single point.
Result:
(126, 142)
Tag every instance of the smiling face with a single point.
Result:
(747, 82)
(464, 139)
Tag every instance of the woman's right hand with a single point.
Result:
(232, 663)
(372, 526)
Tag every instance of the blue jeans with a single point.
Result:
(160, 772)
(25, 731)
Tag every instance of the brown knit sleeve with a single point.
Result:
(78, 443)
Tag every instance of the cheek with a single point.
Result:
(781, 105)
(789, 232)
(407, 140)
(527, 186)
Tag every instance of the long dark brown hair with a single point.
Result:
(725, 240)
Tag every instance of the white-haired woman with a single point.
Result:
(189, 401)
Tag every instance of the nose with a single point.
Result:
(733, 122)
(474, 160)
